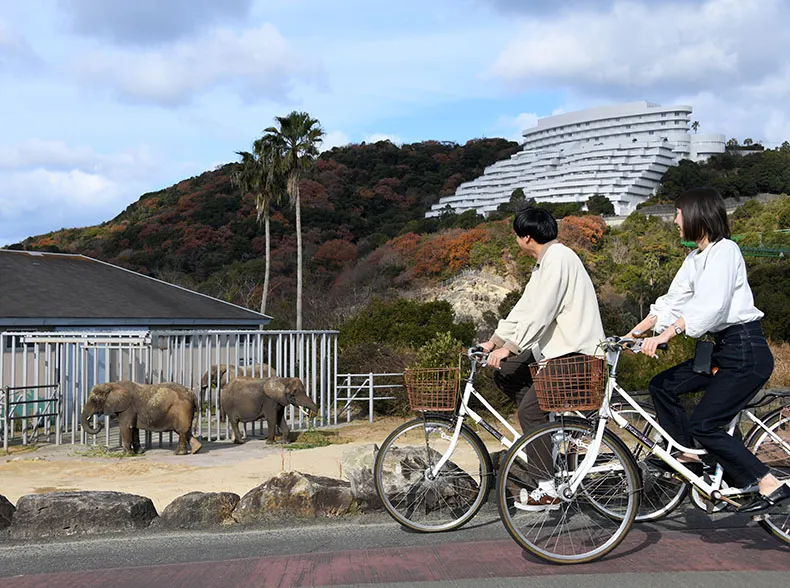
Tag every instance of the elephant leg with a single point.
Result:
(284, 428)
(136, 440)
(182, 444)
(271, 427)
(127, 437)
(234, 426)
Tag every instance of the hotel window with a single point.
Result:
(663, 115)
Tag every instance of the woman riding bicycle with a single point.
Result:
(711, 294)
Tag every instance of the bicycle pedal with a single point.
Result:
(709, 506)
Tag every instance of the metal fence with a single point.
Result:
(34, 410)
(363, 388)
(74, 362)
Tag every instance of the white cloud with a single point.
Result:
(37, 201)
(141, 22)
(514, 126)
(45, 185)
(334, 139)
(15, 52)
(54, 155)
(257, 63)
(649, 49)
(728, 59)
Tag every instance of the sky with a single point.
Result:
(102, 101)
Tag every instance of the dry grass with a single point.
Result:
(781, 376)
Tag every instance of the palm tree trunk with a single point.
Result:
(268, 263)
(298, 256)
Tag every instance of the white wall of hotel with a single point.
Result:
(619, 151)
(37, 364)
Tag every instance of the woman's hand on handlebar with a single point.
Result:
(651, 344)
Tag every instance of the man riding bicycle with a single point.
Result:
(556, 316)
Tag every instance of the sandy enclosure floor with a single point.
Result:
(163, 476)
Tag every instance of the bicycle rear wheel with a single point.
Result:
(574, 530)
(776, 455)
(415, 498)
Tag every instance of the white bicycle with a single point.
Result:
(433, 473)
(600, 484)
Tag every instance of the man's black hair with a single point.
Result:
(537, 223)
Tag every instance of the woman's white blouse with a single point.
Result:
(710, 291)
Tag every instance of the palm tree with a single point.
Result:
(258, 173)
(296, 137)
(695, 126)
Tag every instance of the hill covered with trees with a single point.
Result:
(202, 232)
(366, 235)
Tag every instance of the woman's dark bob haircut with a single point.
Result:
(535, 222)
(703, 214)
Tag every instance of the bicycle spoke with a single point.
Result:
(409, 491)
(575, 531)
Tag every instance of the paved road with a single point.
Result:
(687, 550)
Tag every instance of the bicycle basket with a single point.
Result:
(569, 383)
(432, 388)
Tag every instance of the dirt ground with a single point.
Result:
(163, 476)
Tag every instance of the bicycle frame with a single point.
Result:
(463, 411)
(711, 489)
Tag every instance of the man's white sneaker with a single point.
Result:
(537, 500)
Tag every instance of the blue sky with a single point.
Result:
(104, 100)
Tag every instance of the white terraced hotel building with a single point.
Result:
(619, 151)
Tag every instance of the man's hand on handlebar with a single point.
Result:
(488, 346)
(495, 357)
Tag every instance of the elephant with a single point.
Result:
(249, 399)
(153, 407)
(228, 373)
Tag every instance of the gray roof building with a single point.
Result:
(58, 291)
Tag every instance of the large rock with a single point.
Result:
(61, 514)
(358, 468)
(6, 512)
(199, 510)
(298, 495)
(405, 477)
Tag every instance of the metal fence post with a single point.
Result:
(370, 396)
(5, 419)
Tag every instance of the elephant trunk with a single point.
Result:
(87, 413)
(308, 404)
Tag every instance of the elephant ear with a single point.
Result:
(293, 388)
(277, 389)
(118, 400)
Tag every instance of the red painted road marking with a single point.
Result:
(642, 552)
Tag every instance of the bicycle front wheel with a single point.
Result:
(662, 491)
(409, 490)
(569, 529)
(772, 450)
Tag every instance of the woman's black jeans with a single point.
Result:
(744, 364)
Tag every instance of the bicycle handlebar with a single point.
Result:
(620, 343)
(477, 354)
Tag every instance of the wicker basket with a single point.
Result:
(432, 388)
(569, 383)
